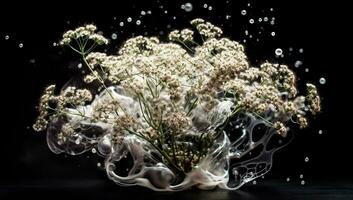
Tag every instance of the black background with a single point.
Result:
(27, 165)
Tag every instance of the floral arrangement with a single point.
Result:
(187, 112)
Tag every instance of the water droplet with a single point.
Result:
(302, 182)
(320, 132)
(129, 19)
(77, 141)
(243, 12)
(7, 37)
(228, 17)
(322, 81)
(114, 36)
(138, 22)
(265, 19)
(99, 164)
(79, 65)
(298, 63)
(209, 7)
(94, 150)
(306, 159)
(273, 33)
(121, 23)
(188, 7)
(235, 172)
(278, 52)
(32, 61)
(301, 176)
(251, 21)
(20, 45)
(205, 5)
(287, 179)
(301, 50)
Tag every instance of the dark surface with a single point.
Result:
(103, 190)
(29, 168)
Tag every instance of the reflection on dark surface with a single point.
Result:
(94, 189)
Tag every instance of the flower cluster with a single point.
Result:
(174, 97)
(82, 34)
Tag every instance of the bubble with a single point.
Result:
(228, 17)
(7, 37)
(271, 9)
(278, 52)
(265, 19)
(129, 19)
(205, 5)
(251, 21)
(210, 8)
(243, 12)
(260, 19)
(306, 69)
(301, 176)
(302, 182)
(290, 49)
(143, 12)
(32, 61)
(273, 33)
(121, 23)
(287, 179)
(272, 22)
(254, 182)
(246, 32)
(149, 12)
(249, 4)
(306, 159)
(94, 150)
(55, 44)
(235, 172)
(322, 81)
(320, 132)
(188, 7)
(301, 50)
(138, 22)
(99, 164)
(298, 63)
(182, 6)
(20, 45)
(166, 12)
(114, 36)
(79, 65)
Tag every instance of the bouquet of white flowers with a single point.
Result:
(187, 112)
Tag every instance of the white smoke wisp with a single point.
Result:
(175, 115)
